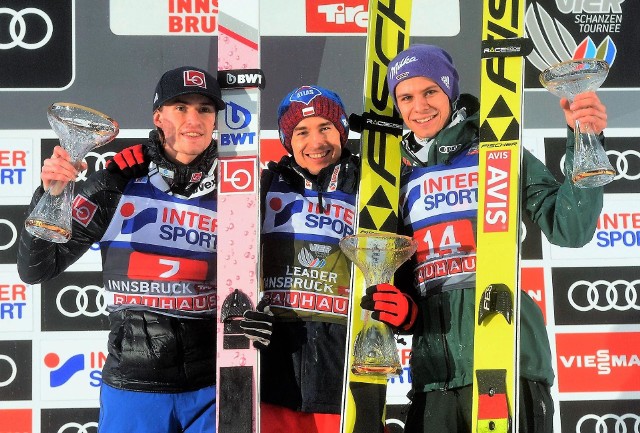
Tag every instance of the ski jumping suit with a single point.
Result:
(306, 277)
(438, 208)
(159, 271)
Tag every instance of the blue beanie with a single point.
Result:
(427, 61)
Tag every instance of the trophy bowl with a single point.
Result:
(378, 256)
(591, 166)
(80, 129)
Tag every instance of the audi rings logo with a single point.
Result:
(74, 427)
(99, 163)
(14, 234)
(82, 304)
(602, 295)
(609, 423)
(12, 367)
(627, 163)
(18, 28)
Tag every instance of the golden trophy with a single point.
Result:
(377, 256)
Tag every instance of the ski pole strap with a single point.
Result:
(241, 79)
(375, 122)
(496, 298)
(493, 406)
(511, 47)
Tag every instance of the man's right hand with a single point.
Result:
(131, 162)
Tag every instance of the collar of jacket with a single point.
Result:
(346, 181)
(449, 141)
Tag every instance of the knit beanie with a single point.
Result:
(428, 61)
(310, 101)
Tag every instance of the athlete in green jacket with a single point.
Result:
(439, 201)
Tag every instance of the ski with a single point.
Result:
(238, 231)
(496, 338)
(364, 396)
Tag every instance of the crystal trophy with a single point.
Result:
(377, 256)
(80, 130)
(591, 166)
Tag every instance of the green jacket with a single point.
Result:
(442, 353)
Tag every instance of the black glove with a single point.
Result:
(258, 324)
(131, 162)
(390, 305)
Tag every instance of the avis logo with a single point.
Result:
(62, 372)
(133, 223)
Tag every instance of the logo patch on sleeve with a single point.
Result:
(83, 210)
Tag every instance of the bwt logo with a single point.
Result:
(237, 117)
(62, 372)
(244, 79)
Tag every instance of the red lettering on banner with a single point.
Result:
(13, 158)
(617, 221)
(598, 362)
(334, 210)
(331, 16)
(184, 303)
(193, 16)
(189, 219)
(309, 301)
(532, 282)
(13, 292)
(449, 182)
(193, 6)
(496, 206)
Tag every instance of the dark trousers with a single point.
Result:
(450, 410)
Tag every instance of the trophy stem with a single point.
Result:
(51, 218)
(591, 166)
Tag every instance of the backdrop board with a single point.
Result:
(109, 54)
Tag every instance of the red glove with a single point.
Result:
(391, 306)
(130, 162)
